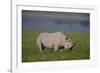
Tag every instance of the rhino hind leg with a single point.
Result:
(42, 46)
(39, 43)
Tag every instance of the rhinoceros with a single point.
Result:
(56, 41)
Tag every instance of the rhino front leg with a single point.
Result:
(55, 48)
(61, 50)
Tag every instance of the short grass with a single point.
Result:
(31, 53)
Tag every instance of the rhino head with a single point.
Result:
(69, 44)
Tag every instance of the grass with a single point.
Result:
(31, 53)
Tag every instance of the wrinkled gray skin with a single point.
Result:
(54, 41)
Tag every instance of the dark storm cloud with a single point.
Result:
(55, 21)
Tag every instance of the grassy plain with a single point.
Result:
(31, 53)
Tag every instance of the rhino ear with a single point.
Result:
(69, 39)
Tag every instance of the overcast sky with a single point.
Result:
(55, 21)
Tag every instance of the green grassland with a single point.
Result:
(31, 53)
